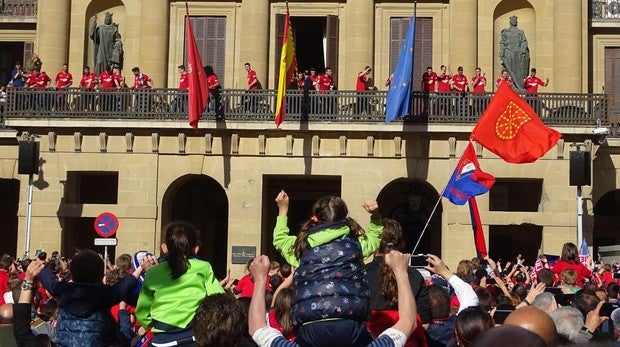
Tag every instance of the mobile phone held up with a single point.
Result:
(418, 260)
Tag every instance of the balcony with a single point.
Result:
(18, 11)
(30, 106)
(605, 13)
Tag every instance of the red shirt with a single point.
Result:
(479, 83)
(118, 79)
(460, 83)
(4, 284)
(32, 79)
(360, 85)
(443, 82)
(184, 81)
(141, 80)
(212, 81)
(42, 80)
(532, 84)
(508, 81)
(63, 79)
(581, 271)
(428, 81)
(300, 84)
(89, 81)
(251, 78)
(245, 286)
(107, 80)
(325, 82)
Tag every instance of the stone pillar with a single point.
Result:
(360, 44)
(154, 41)
(463, 36)
(52, 44)
(567, 51)
(254, 34)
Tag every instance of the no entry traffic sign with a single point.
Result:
(106, 224)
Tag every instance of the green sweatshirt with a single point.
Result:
(285, 243)
(174, 302)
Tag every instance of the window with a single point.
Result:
(423, 49)
(92, 187)
(516, 194)
(210, 34)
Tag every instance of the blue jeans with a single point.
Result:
(333, 333)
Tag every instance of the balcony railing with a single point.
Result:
(25, 8)
(334, 106)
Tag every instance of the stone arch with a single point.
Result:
(99, 8)
(410, 202)
(526, 14)
(607, 219)
(202, 201)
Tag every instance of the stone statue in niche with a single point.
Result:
(108, 44)
(515, 53)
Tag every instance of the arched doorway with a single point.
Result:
(201, 201)
(606, 220)
(410, 202)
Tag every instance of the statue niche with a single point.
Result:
(108, 45)
(515, 53)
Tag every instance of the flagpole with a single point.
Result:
(429, 220)
(415, 9)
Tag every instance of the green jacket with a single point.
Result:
(285, 243)
(174, 302)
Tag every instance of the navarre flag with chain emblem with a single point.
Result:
(468, 180)
(198, 90)
(511, 129)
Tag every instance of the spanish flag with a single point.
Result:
(511, 129)
(288, 61)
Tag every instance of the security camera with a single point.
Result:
(600, 131)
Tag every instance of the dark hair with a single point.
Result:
(439, 301)
(181, 67)
(533, 69)
(275, 281)
(485, 300)
(181, 239)
(612, 290)
(247, 64)
(285, 269)
(570, 253)
(547, 277)
(135, 69)
(6, 261)
(42, 255)
(219, 321)
(429, 67)
(86, 67)
(328, 209)
(209, 70)
(585, 301)
(391, 238)
(123, 262)
(282, 305)
(470, 323)
(87, 267)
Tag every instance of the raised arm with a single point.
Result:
(464, 292)
(407, 309)
(371, 242)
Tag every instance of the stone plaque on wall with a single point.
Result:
(241, 254)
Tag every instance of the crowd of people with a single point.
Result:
(324, 295)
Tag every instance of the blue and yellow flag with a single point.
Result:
(398, 101)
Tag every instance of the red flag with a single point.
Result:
(511, 129)
(198, 92)
(476, 224)
(288, 61)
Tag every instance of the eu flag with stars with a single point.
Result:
(399, 95)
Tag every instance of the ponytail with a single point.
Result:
(181, 239)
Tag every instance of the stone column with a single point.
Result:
(52, 44)
(567, 50)
(463, 36)
(254, 36)
(360, 44)
(154, 25)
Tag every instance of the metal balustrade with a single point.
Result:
(332, 106)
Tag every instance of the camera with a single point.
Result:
(418, 260)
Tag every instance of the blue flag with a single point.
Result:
(468, 180)
(399, 95)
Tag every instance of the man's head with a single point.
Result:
(328, 71)
(568, 321)
(460, 70)
(136, 71)
(546, 302)
(86, 70)
(504, 74)
(518, 337)
(585, 301)
(219, 321)
(533, 72)
(547, 277)
(312, 71)
(429, 69)
(86, 267)
(478, 71)
(534, 320)
(443, 68)
(181, 68)
(18, 65)
(247, 67)
(65, 67)
(439, 301)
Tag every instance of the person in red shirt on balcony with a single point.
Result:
(531, 84)
(443, 79)
(107, 85)
(215, 88)
(64, 80)
(325, 83)
(88, 83)
(504, 78)
(179, 103)
(478, 83)
(461, 86)
(141, 83)
(250, 101)
(429, 80)
(41, 82)
(119, 83)
(361, 86)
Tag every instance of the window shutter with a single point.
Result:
(332, 45)
(28, 49)
(210, 35)
(423, 50)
